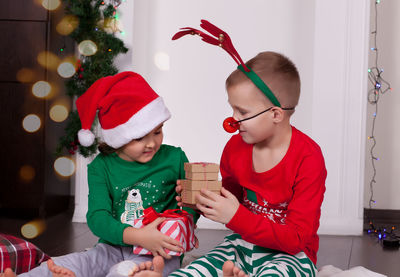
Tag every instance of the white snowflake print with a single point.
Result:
(271, 217)
(283, 205)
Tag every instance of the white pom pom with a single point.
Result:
(86, 137)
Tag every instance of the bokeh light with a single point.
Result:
(27, 173)
(51, 4)
(87, 48)
(67, 25)
(48, 60)
(33, 228)
(41, 89)
(25, 75)
(58, 113)
(66, 69)
(31, 123)
(64, 166)
(161, 60)
(111, 25)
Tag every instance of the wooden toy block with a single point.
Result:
(193, 185)
(201, 175)
(201, 167)
(189, 196)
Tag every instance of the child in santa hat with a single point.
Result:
(133, 171)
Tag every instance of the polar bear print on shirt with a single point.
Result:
(133, 207)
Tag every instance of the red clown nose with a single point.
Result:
(230, 125)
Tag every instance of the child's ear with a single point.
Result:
(277, 114)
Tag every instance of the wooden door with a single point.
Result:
(28, 181)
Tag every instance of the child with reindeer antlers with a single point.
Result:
(273, 175)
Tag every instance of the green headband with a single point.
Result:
(260, 84)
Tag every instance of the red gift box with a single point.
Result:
(178, 225)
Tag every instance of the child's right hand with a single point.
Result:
(152, 239)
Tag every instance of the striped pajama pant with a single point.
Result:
(252, 259)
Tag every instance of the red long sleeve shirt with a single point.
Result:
(280, 208)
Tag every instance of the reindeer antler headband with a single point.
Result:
(224, 41)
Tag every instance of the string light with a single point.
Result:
(31, 123)
(379, 87)
(64, 166)
(41, 89)
(51, 4)
(87, 48)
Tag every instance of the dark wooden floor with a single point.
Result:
(62, 236)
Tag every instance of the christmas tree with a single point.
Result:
(92, 25)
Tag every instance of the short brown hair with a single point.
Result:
(279, 74)
(105, 149)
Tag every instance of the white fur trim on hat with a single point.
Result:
(86, 137)
(139, 125)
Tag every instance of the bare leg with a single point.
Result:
(230, 270)
(145, 270)
(59, 271)
(8, 273)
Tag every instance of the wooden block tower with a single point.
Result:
(199, 175)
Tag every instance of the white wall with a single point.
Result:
(194, 87)
(387, 128)
(326, 39)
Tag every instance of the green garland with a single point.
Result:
(91, 15)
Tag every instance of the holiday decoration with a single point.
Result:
(97, 51)
(178, 225)
(222, 39)
(127, 108)
(198, 176)
(379, 86)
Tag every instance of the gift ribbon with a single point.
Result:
(149, 215)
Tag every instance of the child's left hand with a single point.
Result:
(220, 208)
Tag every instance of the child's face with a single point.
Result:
(143, 150)
(246, 101)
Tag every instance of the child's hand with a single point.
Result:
(196, 242)
(178, 190)
(152, 239)
(220, 208)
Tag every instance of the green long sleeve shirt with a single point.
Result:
(119, 190)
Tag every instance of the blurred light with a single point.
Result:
(25, 75)
(66, 69)
(64, 166)
(41, 89)
(67, 25)
(31, 123)
(58, 113)
(33, 228)
(51, 4)
(48, 60)
(27, 173)
(87, 48)
(111, 25)
(161, 60)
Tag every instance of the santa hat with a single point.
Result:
(128, 108)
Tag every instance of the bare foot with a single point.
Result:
(8, 273)
(59, 271)
(230, 270)
(145, 269)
